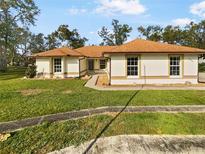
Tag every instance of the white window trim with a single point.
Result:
(180, 67)
(133, 76)
(54, 65)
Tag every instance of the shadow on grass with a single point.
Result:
(108, 124)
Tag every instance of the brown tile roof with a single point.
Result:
(65, 51)
(135, 46)
(145, 46)
(94, 51)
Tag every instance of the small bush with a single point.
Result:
(202, 67)
(31, 71)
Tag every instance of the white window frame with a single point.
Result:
(57, 65)
(132, 65)
(176, 65)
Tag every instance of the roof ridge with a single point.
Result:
(142, 45)
(94, 46)
(165, 43)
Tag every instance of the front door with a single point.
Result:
(90, 64)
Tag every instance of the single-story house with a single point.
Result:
(136, 62)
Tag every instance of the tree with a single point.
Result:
(153, 33)
(67, 37)
(36, 43)
(52, 42)
(14, 14)
(17, 39)
(173, 35)
(195, 35)
(192, 35)
(118, 36)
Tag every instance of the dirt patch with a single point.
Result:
(67, 92)
(4, 137)
(31, 92)
(112, 114)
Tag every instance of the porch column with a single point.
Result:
(109, 70)
(50, 66)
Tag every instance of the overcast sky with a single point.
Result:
(88, 16)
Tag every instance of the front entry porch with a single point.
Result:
(97, 66)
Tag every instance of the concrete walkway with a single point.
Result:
(92, 84)
(19, 124)
(142, 144)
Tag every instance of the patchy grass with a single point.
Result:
(67, 92)
(22, 98)
(13, 73)
(53, 136)
(31, 92)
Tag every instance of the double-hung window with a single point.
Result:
(57, 65)
(174, 65)
(102, 64)
(132, 66)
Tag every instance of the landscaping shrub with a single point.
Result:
(202, 67)
(31, 71)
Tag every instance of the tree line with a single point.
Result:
(192, 35)
(17, 41)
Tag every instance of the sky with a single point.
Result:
(88, 16)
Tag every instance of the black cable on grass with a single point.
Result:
(108, 124)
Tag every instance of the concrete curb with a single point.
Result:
(19, 124)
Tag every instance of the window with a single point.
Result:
(57, 65)
(132, 66)
(174, 65)
(102, 64)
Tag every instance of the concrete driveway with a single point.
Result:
(143, 144)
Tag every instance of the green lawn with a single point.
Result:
(20, 98)
(53, 136)
(13, 73)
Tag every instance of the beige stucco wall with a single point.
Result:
(118, 65)
(72, 67)
(83, 66)
(96, 64)
(154, 65)
(154, 69)
(190, 65)
(44, 67)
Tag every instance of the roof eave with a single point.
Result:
(123, 52)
